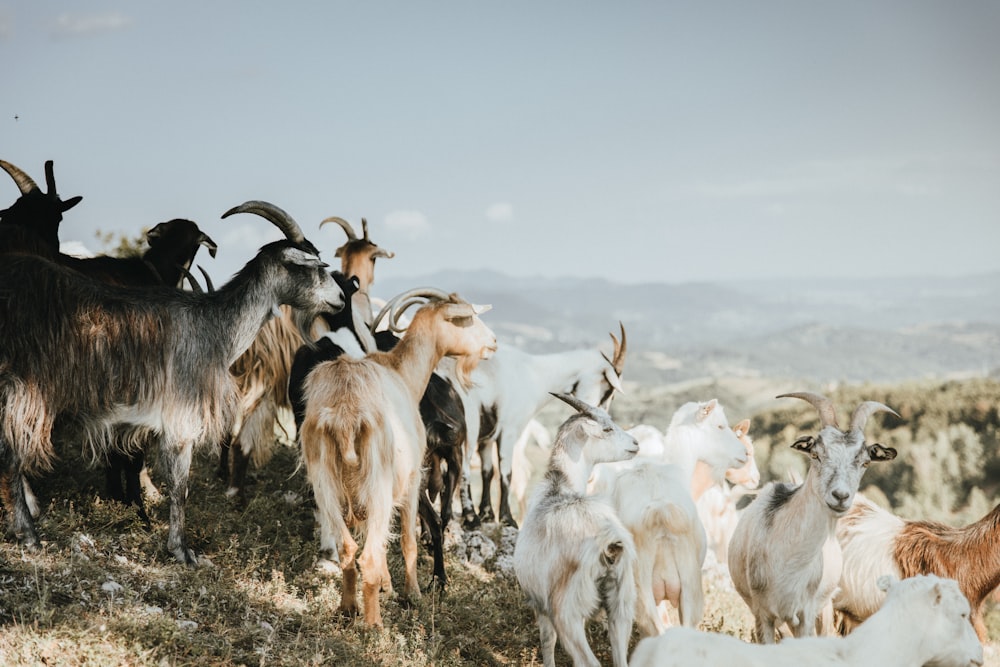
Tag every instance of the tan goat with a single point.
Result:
(363, 441)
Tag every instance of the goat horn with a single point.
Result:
(827, 414)
(364, 228)
(618, 361)
(351, 235)
(275, 216)
(575, 402)
(24, 182)
(208, 279)
(866, 410)
(195, 287)
(50, 178)
(410, 297)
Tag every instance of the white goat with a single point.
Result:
(654, 494)
(698, 433)
(363, 441)
(654, 502)
(508, 390)
(717, 504)
(924, 620)
(784, 558)
(573, 556)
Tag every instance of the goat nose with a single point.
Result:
(841, 495)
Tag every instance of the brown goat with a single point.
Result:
(363, 442)
(874, 540)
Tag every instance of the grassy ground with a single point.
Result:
(104, 591)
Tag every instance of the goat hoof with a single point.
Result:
(470, 523)
(508, 521)
(437, 585)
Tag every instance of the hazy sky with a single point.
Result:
(635, 141)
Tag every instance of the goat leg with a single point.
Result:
(178, 466)
(12, 485)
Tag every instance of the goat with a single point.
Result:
(262, 372)
(923, 621)
(655, 494)
(508, 391)
(440, 411)
(363, 442)
(172, 247)
(573, 557)
(31, 224)
(717, 504)
(876, 542)
(698, 440)
(778, 549)
(155, 360)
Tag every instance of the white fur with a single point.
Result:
(924, 620)
(573, 557)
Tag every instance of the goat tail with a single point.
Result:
(659, 518)
(342, 429)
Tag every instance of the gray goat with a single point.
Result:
(92, 357)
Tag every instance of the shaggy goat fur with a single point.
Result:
(573, 556)
(154, 360)
(363, 443)
(876, 542)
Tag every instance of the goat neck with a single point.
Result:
(810, 520)
(415, 356)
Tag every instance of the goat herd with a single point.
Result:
(116, 354)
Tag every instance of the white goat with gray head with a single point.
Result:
(784, 557)
(573, 557)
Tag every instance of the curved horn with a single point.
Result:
(827, 414)
(275, 216)
(351, 236)
(208, 279)
(364, 228)
(195, 287)
(24, 182)
(402, 301)
(618, 357)
(575, 402)
(866, 410)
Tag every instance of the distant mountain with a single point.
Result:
(822, 330)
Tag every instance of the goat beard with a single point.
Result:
(464, 366)
(305, 323)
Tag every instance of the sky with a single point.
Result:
(632, 141)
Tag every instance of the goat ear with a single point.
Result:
(154, 233)
(302, 258)
(480, 309)
(877, 452)
(885, 582)
(804, 444)
(707, 409)
(743, 427)
(70, 203)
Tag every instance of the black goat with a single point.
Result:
(31, 224)
(153, 360)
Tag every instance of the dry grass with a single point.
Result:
(103, 591)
